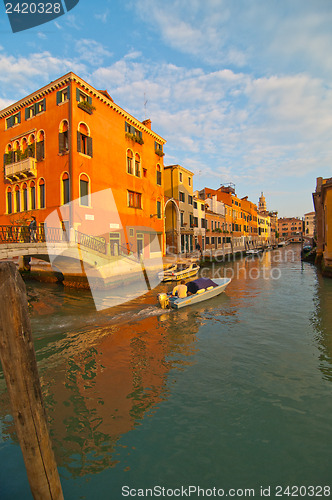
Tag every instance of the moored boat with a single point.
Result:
(254, 251)
(179, 272)
(198, 291)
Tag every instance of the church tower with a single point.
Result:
(262, 204)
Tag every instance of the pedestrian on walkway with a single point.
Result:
(33, 230)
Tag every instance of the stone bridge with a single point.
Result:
(76, 254)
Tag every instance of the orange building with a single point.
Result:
(68, 141)
(290, 228)
(240, 214)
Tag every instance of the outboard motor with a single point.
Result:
(163, 300)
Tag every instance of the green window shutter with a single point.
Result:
(68, 92)
(58, 96)
(89, 146)
(77, 94)
(27, 113)
(35, 112)
(44, 104)
(90, 100)
(19, 117)
(40, 151)
(79, 142)
(5, 156)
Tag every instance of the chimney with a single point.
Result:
(147, 123)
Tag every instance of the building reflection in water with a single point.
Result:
(98, 387)
(322, 322)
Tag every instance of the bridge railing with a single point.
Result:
(98, 244)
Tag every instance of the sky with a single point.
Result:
(240, 90)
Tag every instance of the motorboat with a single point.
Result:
(254, 251)
(198, 291)
(179, 272)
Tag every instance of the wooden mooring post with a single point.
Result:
(19, 365)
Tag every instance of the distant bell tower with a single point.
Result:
(262, 204)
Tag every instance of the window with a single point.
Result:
(65, 189)
(25, 197)
(189, 181)
(63, 95)
(134, 133)
(134, 199)
(18, 199)
(84, 190)
(63, 137)
(195, 204)
(158, 175)
(180, 176)
(32, 196)
(181, 196)
(13, 120)
(130, 162)
(195, 221)
(203, 223)
(137, 165)
(191, 220)
(42, 193)
(9, 201)
(84, 142)
(159, 209)
(207, 240)
(190, 199)
(158, 148)
(82, 96)
(40, 150)
(182, 221)
(35, 109)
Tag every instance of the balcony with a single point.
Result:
(24, 169)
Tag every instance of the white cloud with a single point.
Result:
(103, 17)
(91, 51)
(23, 74)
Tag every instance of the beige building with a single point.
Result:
(309, 224)
(290, 228)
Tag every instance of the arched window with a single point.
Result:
(137, 165)
(65, 194)
(8, 157)
(158, 175)
(130, 157)
(84, 141)
(42, 197)
(16, 152)
(9, 201)
(24, 147)
(31, 146)
(84, 190)
(25, 197)
(63, 137)
(40, 150)
(18, 199)
(32, 195)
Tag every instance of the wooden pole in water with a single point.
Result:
(19, 365)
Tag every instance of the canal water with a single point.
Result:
(234, 393)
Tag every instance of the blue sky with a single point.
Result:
(241, 90)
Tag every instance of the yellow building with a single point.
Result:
(323, 208)
(264, 228)
(179, 209)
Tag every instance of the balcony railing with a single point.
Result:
(24, 169)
